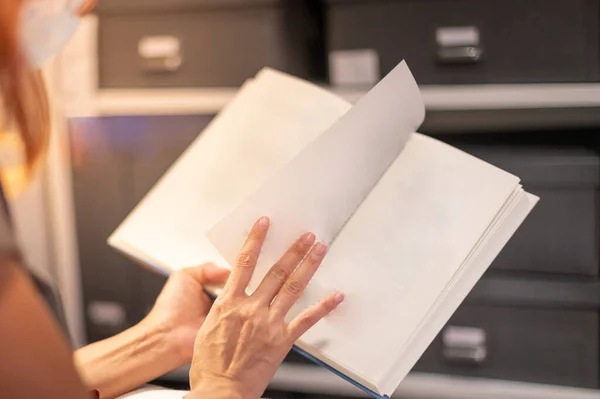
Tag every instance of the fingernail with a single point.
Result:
(320, 249)
(263, 221)
(338, 298)
(309, 238)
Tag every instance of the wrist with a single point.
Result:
(127, 360)
(177, 337)
(156, 338)
(215, 388)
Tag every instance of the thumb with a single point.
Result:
(208, 274)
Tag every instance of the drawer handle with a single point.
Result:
(106, 313)
(459, 55)
(458, 45)
(466, 345)
(160, 53)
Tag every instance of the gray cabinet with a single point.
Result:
(562, 234)
(205, 43)
(473, 41)
(554, 346)
(115, 161)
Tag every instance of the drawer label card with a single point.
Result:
(164, 46)
(457, 36)
(354, 67)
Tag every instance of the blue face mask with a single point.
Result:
(46, 26)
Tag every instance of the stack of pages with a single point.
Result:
(412, 223)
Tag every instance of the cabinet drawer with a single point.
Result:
(522, 344)
(205, 44)
(561, 235)
(473, 41)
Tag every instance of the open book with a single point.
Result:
(412, 223)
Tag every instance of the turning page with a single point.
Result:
(323, 186)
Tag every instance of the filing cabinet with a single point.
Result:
(562, 234)
(115, 161)
(536, 342)
(466, 41)
(100, 196)
(535, 316)
(206, 43)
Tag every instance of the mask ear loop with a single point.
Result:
(85, 7)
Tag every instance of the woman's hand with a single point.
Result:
(161, 342)
(245, 338)
(182, 306)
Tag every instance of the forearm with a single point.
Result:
(124, 362)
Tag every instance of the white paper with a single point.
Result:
(458, 293)
(400, 249)
(354, 67)
(154, 392)
(265, 126)
(413, 223)
(324, 185)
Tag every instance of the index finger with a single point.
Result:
(247, 258)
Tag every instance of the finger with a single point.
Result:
(282, 270)
(295, 285)
(247, 258)
(312, 315)
(208, 274)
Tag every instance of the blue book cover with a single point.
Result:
(338, 373)
(326, 366)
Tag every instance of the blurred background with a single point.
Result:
(515, 82)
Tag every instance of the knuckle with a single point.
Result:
(221, 302)
(254, 308)
(277, 274)
(227, 299)
(246, 313)
(293, 287)
(246, 259)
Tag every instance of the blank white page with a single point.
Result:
(320, 189)
(399, 251)
(459, 290)
(266, 125)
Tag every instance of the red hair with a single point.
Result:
(23, 95)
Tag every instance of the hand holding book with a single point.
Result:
(411, 223)
(245, 337)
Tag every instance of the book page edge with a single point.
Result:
(504, 234)
(342, 369)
